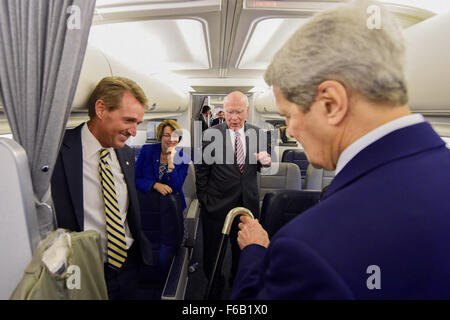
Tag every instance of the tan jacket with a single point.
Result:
(82, 279)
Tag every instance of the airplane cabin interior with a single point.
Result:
(187, 54)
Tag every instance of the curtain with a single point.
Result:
(42, 47)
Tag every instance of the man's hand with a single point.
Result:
(162, 188)
(251, 232)
(264, 158)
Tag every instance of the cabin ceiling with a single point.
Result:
(221, 89)
(208, 42)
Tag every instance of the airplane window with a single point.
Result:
(151, 129)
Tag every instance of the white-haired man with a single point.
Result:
(223, 185)
(381, 230)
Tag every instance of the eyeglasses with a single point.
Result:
(174, 137)
(238, 112)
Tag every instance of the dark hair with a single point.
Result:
(205, 109)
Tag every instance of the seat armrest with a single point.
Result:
(176, 282)
(191, 223)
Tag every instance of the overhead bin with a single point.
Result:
(265, 102)
(428, 65)
(162, 96)
(427, 68)
(95, 67)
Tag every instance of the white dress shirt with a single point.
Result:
(94, 207)
(207, 119)
(374, 135)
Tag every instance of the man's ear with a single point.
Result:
(334, 97)
(100, 108)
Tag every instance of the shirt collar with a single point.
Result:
(91, 146)
(241, 131)
(374, 135)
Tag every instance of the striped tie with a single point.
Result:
(239, 151)
(117, 249)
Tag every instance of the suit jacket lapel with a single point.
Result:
(395, 145)
(72, 156)
(125, 166)
(156, 156)
(247, 149)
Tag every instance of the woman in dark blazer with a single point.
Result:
(163, 167)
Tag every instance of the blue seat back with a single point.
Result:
(280, 207)
(162, 223)
(299, 158)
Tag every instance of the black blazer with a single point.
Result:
(216, 122)
(204, 123)
(67, 189)
(221, 187)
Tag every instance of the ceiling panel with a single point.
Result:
(229, 45)
(154, 46)
(267, 37)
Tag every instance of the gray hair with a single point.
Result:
(338, 45)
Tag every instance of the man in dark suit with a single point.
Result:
(381, 229)
(116, 107)
(205, 117)
(227, 178)
(220, 118)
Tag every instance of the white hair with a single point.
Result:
(244, 98)
(338, 44)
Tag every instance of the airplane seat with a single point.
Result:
(299, 158)
(328, 176)
(19, 226)
(162, 223)
(176, 283)
(279, 207)
(317, 179)
(192, 211)
(287, 177)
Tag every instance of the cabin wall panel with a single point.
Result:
(265, 102)
(428, 65)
